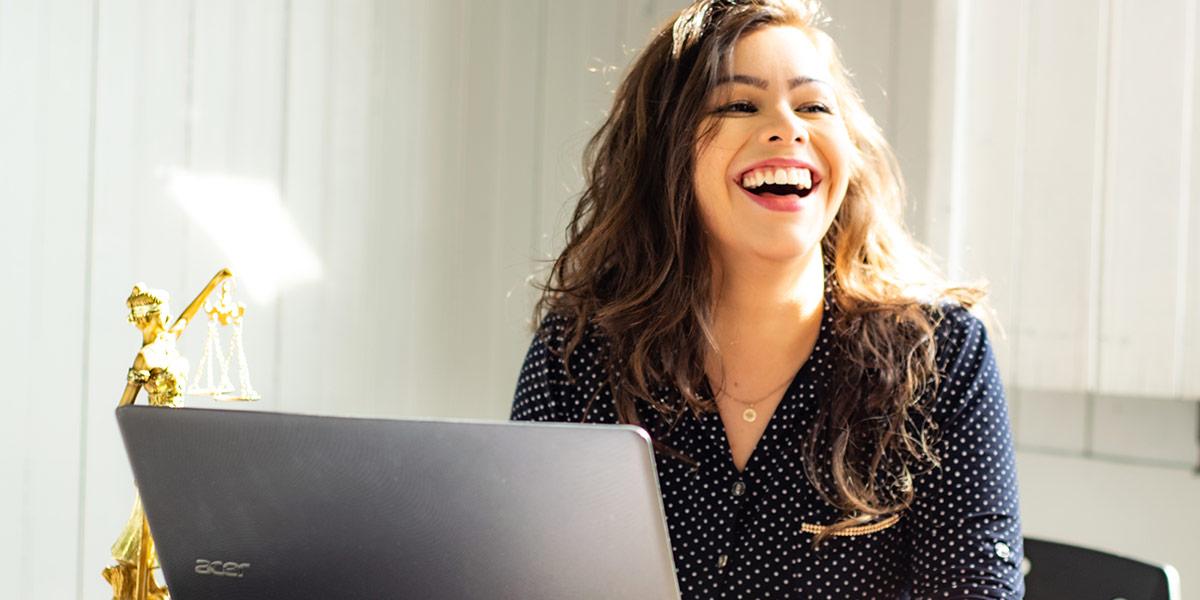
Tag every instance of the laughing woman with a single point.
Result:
(826, 412)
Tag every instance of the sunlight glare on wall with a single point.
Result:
(245, 218)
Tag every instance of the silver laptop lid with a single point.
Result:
(294, 506)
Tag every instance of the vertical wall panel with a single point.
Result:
(451, 203)
(353, 293)
(349, 313)
(582, 61)
(19, 39)
(991, 167)
(941, 211)
(45, 75)
(1139, 306)
(455, 167)
(1190, 363)
(303, 323)
(909, 126)
(402, 186)
(141, 110)
(424, 184)
(57, 300)
(1060, 195)
(510, 72)
(483, 285)
(324, 324)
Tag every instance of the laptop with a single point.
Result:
(268, 505)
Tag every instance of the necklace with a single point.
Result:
(750, 415)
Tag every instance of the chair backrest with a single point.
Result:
(1057, 571)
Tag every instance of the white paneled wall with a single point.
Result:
(1143, 286)
(1071, 178)
(1190, 369)
(988, 204)
(45, 182)
(1061, 195)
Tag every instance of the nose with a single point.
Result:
(786, 127)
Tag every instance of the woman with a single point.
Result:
(827, 416)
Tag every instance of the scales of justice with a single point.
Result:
(162, 372)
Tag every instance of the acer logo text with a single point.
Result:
(221, 568)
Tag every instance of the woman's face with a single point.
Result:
(771, 179)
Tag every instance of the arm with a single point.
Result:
(965, 528)
(134, 380)
(186, 316)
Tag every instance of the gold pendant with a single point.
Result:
(749, 415)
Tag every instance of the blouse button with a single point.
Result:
(739, 488)
(722, 560)
(1003, 551)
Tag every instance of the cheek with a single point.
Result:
(711, 165)
(841, 154)
(708, 184)
(708, 200)
(841, 146)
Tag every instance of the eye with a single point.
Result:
(741, 106)
(815, 107)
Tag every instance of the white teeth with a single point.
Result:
(798, 177)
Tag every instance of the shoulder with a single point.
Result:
(956, 329)
(969, 380)
(560, 337)
(565, 372)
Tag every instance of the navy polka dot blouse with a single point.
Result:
(749, 534)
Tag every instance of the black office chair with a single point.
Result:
(1056, 571)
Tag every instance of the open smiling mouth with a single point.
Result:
(779, 188)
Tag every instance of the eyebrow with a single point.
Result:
(762, 84)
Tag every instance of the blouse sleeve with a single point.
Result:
(965, 527)
(538, 383)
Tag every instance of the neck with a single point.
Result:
(767, 302)
(150, 334)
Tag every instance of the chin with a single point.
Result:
(786, 250)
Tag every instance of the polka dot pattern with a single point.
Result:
(741, 534)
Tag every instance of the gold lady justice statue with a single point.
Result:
(161, 370)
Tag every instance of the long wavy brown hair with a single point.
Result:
(636, 268)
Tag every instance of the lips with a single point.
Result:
(777, 202)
